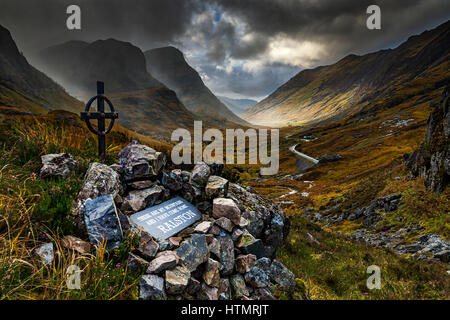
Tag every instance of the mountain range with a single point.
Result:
(24, 88)
(169, 66)
(238, 106)
(145, 104)
(357, 84)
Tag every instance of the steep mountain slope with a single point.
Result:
(169, 66)
(144, 104)
(355, 83)
(238, 106)
(23, 88)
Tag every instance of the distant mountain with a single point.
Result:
(359, 84)
(144, 104)
(238, 106)
(168, 65)
(23, 88)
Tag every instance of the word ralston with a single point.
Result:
(175, 222)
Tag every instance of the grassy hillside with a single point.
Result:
(35, 211)
(360, 83)
(372, 146)
(23, 88)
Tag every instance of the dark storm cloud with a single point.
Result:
(341, 23)
(37, 24)
(226, 39)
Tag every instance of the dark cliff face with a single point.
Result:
(432, 160)
(168, 65)
(24, 87)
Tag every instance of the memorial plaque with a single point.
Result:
(168, 218)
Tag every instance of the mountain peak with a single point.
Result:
(357, 83)
(168, 65)
(23, 87)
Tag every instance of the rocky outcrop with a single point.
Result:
(428, 245)
(99, 180)
(371, 214)
(57, 165)
(140, 162)
(432, 160)
(329, 158)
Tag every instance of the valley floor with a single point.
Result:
(321, 251)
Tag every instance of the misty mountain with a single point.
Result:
(24, 88)
(145, 105)
(238, 106)
(168, 65)
(359, 84)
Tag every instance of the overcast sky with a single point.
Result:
(240, 48)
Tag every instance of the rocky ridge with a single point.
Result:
(432, 160)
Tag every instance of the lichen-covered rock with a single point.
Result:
(140, 185)
(213, 245)
(216, 187)
(138, 200)
(193, 251)
(224, 207)
(238, 287)
(224, 289)
(102, 222)
(211, 276)
(282, 276)
(200, 174)
(244, 263)
(151, 287)
(207, 293)
(260, 213)
(193, 286)
(46, 253)
(163, 261)
(226, 253)
(177, 279)
(172, 180)
(257, 278)
(203, 227)
(140, 161)
(57, 165)
(76, 244)
(225, 224)
(136, 264)
(255, 247)
(371, 215)
(147, 248)
(99, 180)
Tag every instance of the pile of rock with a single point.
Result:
(228, 254)
(428, 245)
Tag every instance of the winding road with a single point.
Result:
(302, 155)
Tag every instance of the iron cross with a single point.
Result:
(100, 116)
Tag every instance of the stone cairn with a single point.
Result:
(229, 254)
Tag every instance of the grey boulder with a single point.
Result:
(57, 165)
(140, 161)
(102, 222)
